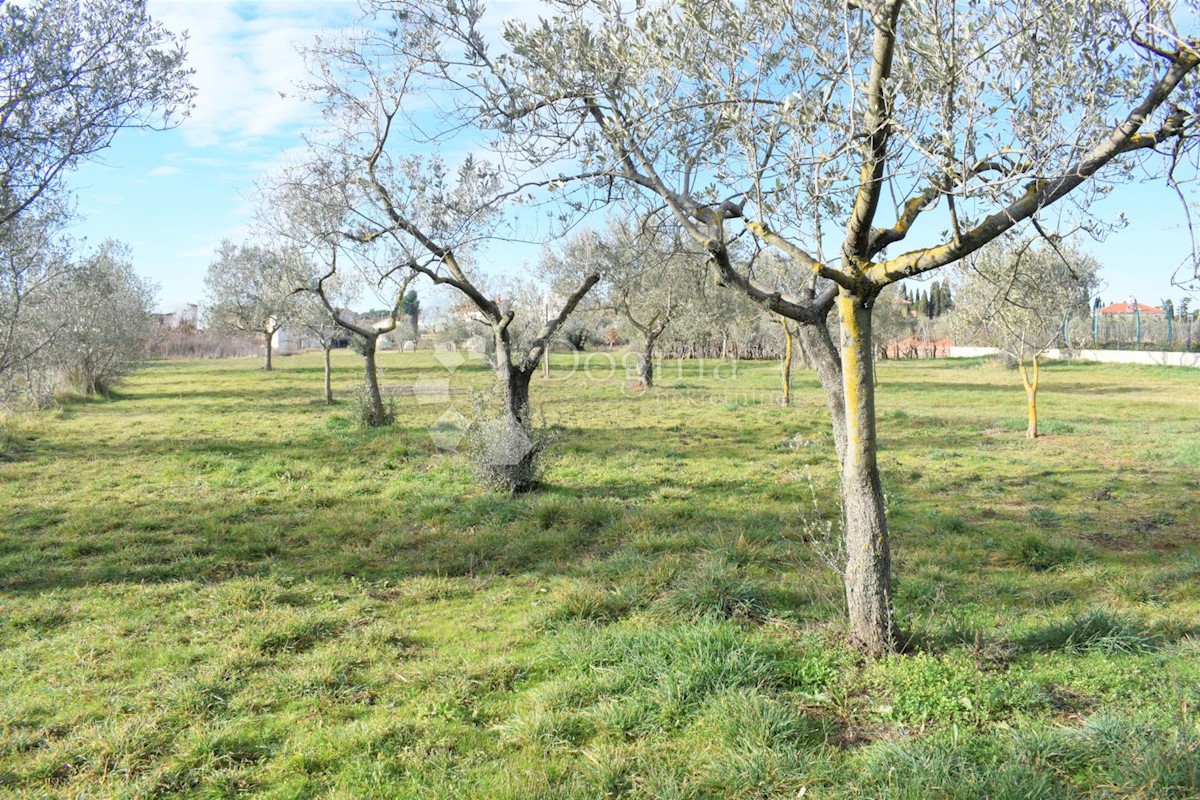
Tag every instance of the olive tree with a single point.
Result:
(651, 279)
(435, 217)
(101, 312)
(33, 256)
(870, 140)
(1020, 297)
(315, 320)
(249, 289)
(73, 74)
(305, 212)
(368, 333)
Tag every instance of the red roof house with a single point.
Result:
(1128, 308)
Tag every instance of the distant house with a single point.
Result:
(1130, 308)
(186, 315)
(394, 339)
(293, 337)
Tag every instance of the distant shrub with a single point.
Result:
(188, 341)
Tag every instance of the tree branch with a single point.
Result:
(1123, 138)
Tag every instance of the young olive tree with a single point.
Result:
(314, 319)
(1020, 297)
(73, 74)
(368, 332)
(870, 140)
(651, 280)
(306, 209)
(250, 289)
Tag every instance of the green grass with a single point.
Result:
(211, 585)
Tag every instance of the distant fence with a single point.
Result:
(1135, 332)
(1165, 358)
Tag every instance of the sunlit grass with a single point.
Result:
(213, 585)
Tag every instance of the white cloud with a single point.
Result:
(159, 172)
(246, 64)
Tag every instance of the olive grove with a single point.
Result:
(871, 141)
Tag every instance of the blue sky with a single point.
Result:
(173, 195)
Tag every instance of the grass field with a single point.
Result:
(212, 585)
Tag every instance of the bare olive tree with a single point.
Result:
(836, 133)
(315, 320)
(250, 289)
(1020, 298)
(72, 75)
(435, 217)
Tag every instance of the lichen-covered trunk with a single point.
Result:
(818, 344)
(376, 414)
(328, 378)
(786, 366)
(868, 556)
(1031, 388)
(646, 361)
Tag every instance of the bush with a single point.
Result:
(106, 312)
(507, 454)
(364, 412)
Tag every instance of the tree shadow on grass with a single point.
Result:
(264, 520)
(1096, 631)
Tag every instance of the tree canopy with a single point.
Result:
(72, 74)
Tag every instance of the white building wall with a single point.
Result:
(1149, 357)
